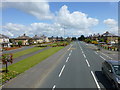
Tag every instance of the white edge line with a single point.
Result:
(95, 80)
(53, 87)
(87, 63)
(61, 70)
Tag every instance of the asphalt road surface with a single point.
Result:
(76, 66)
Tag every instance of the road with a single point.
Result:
(76, 66)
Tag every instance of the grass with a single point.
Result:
(27, 51)
(27, 63)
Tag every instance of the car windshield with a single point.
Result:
(117, 69)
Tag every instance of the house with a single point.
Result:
(110, 38)
(54, 39)
(37, 39)
(41, 39)
(69, 39)
(22, 38)
(45, 39)
(4, 41)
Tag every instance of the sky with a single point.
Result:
(59, 18)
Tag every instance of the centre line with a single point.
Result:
(84, 55)
(95, 80)
(96, 53)
(53, 87)
(67, 59)
(62, 70)
(69, 54)
(87, 63)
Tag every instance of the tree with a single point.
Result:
(74, 38)
(19, 43)
(81, 38)
(30, 41)
(7, 58)
(101, 40)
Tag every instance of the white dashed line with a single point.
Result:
(67, 59)
(102, 57)
(84, 55)
(69, 54)
(61, 70)
(95, 80)
(96, 53)
(71, 51)
(82, 52)
(70, 48)
(53, 87)
(87, 63)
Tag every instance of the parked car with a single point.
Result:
(111, 69)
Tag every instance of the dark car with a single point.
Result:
(111, 69)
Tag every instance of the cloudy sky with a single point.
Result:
(59, 18)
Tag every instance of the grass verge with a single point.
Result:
(25, 64)
(27, 51)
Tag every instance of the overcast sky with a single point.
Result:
(55, 18)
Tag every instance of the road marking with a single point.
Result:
(53, 87)
(96, 53)
(102, 57)
(82, 52)
(67, 59)
(71, 51)
(95, 80)
(84, 55)
(87, 63)
(106, 55)
(70, 47)
(61, 70)
(69, 54)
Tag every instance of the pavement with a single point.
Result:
(75, 66)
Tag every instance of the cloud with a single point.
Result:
(112, 25)
(40, 10)
(110, 22)
(76, 19)
(74, 24)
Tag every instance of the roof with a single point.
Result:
(113, 62)
(108, 34)
(3, 36)
(36, 37)
(23, 37)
